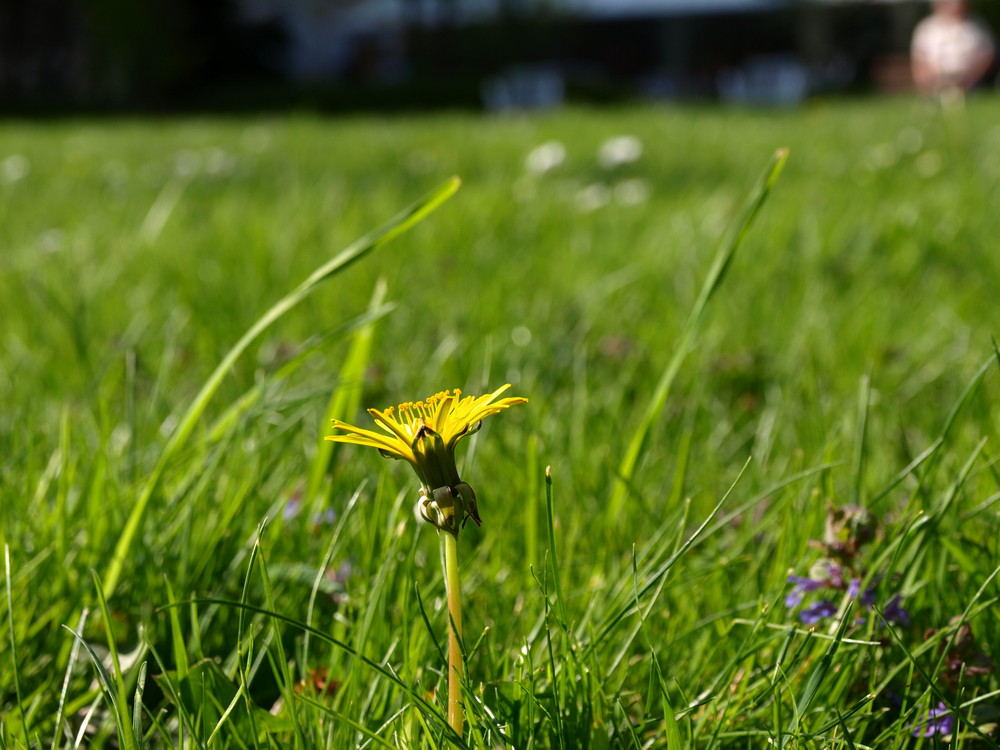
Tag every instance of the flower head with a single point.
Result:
(819, 611)
(939, 720)
(425, 433)
(893, 612)
(802, 585)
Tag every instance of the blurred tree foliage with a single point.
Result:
(58, 53)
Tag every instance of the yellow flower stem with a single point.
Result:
(455, 666)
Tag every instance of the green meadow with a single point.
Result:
(188, 564)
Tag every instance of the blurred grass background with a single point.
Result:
(136, 252)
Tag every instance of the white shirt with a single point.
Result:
(951, 46)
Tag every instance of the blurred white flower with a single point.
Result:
(520, 335)
(219, 162)
(52, 240)
(881, 156)
(592, 197)
(15, 167)
(622, 149)
(186, 163)
(631, 192)
(545, 157)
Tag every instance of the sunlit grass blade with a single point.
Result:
(230, 417)
(73, 656)
(109, 688)
(716, 273)
(346, 397)
(179, 647)
(117, 678)
(244, 645)
(553, 557)
(13, 647)
(394, 227)
(140, 688)
(861, 439)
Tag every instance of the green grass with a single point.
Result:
(847, 357)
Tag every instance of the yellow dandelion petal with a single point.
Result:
(425, 432)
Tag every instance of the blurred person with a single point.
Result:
(951, 51)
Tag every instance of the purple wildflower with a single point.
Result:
(292, 507)
(836, 576)
(817, 612)
(866, 598)
(326, 517)
(937, 721)
(893, 612)
(802, 585)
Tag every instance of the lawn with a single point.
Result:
(189, 564)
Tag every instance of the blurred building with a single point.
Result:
(532, 52)
(763, 51)
(503, 53)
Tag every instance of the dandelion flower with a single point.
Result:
(425, 433)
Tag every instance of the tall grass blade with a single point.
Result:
(361, 247)
(110, 690)
(13, 646)
(550, 515)
(716, 274)
(346, 397)
(860, 445)
(140, 687)
(74, 654)
(117, 680)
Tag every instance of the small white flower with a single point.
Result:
(592, 197)
(631, 192)
(15, 167)
(622, 149)
(219, 162)
(545, 157)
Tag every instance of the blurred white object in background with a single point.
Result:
(622, 149)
